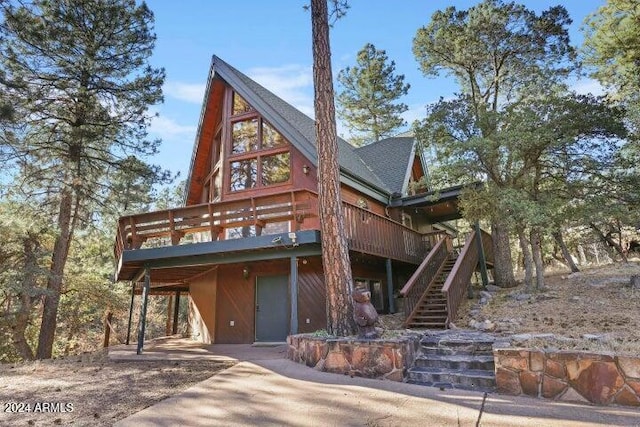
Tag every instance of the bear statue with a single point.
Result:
(365, 314)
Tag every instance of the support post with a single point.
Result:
(293, 329)
(133, 293)
(143, 309)
(107, 329)
(168, 323)
(176, 311)
(481, 258)
(392, 303)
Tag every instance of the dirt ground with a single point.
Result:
(91, 390)
(595, 309)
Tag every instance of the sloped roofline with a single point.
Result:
(234, 78)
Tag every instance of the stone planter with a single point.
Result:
(383, 359)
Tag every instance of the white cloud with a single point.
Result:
(293, 83)
(189, 92)
(586, 85)
(415, 112)
(167, 127)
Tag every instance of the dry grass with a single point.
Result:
(592, 310)
(99, 390)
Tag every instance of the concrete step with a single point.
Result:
(456, 362)
(469, 379)
(470, 345)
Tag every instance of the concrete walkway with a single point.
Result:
(266, 389)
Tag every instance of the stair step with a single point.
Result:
(456, 362)
(427, 325)
(470, 379)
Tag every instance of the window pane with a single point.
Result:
(217, 186)
(240, 232)
(240, 105)
(276, 227)
(245, 136)
(275, 169)
(271, 137)
(244, 174)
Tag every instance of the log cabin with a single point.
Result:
(245, 247)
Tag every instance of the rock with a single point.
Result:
(485, 294)
(575, 275)
(634, 281)
(521, 297)
(595, 337)
(575, 298)
(521, 337)
(493, 288)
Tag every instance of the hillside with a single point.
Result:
(594, 309)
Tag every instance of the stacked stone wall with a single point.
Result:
(382, 359)
(598, 378)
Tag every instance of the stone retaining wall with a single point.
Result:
(383, 359)
(602, 379)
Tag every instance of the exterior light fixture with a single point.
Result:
(305, 169)
(245, 272)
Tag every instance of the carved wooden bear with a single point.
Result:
(365, 314)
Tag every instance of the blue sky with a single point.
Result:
(270, 41)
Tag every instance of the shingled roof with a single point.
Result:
(390, 160)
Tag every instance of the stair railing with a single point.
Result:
(424, 277)
(458, 280)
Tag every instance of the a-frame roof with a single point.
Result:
(296, 127)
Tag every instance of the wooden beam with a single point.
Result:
(143, 309)
(293, 278)
(133, 293)
(176, 311)
(392, 303)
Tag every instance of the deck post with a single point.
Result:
(176, 310)
(392, 303)
(481, 258)
(293, 277)
(143, 309)
(169, 321)
(133, 293)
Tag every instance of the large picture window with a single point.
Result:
(259, 155)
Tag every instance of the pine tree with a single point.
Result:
(369, 99)
(335, 251)
(78, 75)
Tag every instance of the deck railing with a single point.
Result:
(169, 227)
(424, 276)
(377, 235)
(459, 279)
(366, 231)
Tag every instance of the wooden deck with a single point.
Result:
(287, 212)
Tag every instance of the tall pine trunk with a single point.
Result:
(528, 259)
(335, 252)
(56, 275)
(557, 236)
(536, 250)
(502, 255)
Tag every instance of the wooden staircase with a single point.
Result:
(436, 289)
(431, 311)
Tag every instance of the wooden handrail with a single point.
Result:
(458, 280)
(423, 278)
(433, 254)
